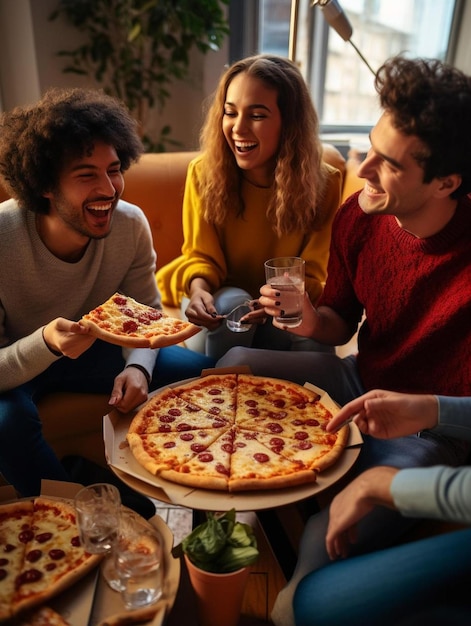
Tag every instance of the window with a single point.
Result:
(341, 83)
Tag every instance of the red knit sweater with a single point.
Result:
(416, 294)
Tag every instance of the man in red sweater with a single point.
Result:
(401, 254)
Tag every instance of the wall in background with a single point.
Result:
(29, 66)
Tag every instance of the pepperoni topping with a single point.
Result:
(197, 447)
(9, 548)
(304, 445)
(187, 436)
(251, 403)
(34, 555)
(280, 415)
(276, 441)
(50, 567)
(4, 562)
(301, 435)
(205, 457)
(43, 537)
(227, 447)
(56, 554)
(130, 326)
(279, 403)
(75, 541)
(253, 412)
(214, 410)
(218, 400)
(221, 469)
(214, 391)
(312, 422)
(164, 428)
(261, 457)
(169, 444)
(175, 412)
(183, 427)
(120, 300)
(26, 535)
(3, 574)
(275, 428)
(29, 576)
(167, 419)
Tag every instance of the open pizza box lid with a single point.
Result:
(123, 463)
(90, 601)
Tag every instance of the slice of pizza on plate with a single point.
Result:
(210, 468)
(160, 451)
(168, 412)
(216, 394)
(256, 466)
(123, 321)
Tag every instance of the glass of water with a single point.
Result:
(286, 275)
(138, 562)
(98, 510)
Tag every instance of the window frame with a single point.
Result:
(244, 16)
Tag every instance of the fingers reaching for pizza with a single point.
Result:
(123, 321)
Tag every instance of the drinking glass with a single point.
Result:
(138, 562)
(286, 275)
(233, 318)
(98, 509)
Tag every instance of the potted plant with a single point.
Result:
(218, 553)
(135, 48)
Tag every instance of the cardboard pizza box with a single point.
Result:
(125, 466)
(90, 601)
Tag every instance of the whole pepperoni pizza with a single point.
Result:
(235, 432)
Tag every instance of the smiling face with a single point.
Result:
(87, 193)
(252, 127)
(394, 181)
(81, 207)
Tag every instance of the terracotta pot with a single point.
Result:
(218, 596)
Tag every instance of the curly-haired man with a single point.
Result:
(67, 244)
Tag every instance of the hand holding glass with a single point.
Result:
(286, 275)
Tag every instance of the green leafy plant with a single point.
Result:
(135, 48)
(221, 544)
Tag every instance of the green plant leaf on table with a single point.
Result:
(221, 544)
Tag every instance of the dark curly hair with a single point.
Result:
(65, 123)
(432, 101)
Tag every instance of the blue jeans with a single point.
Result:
(25, 456)
(391, 586)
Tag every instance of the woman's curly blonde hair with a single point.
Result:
(300, 174)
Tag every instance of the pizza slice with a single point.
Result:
(160, 451)
(15, 522)
(256, 466)
(208, 469)
(215, 393)
(54, 558)
(123, 321)
(313, 455)
(167, 412)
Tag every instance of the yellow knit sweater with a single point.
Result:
(234, 254)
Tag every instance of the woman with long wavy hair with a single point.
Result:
(259, 190)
